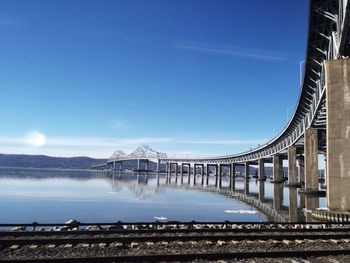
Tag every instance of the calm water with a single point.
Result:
(49, 196)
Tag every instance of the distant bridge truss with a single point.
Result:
(141, 152)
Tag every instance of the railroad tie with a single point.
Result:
(299, 241)
(334, 241)
(116, 244)
(193, 243)
(221, 242)
(165, 243)
(33, 246)
(14, 247)
(134, 245)
(286, 242)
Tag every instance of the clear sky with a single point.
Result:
(188, 77)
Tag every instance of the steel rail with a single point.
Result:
(178, 223)
(164, 231)
(5, 242)
(188, 256)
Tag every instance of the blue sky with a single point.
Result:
(191, 78)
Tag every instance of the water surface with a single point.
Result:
(54, 196)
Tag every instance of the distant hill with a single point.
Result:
(43, 161)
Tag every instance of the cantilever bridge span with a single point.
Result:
(320, 123)
(143, 154)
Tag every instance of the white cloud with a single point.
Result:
(120, 124)
(104, 142)
(225, 142)
(104, 147)
(231, 50)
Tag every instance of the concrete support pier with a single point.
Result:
(218, 175)
(292, 167)
(277, 169)
(246, 178)
(232, 176)
(261, 193)
(277, 196)
(293, 204)
(261, 170)
(311, 160)
(246, 171)
(301, 172)
(337, 76)
(207, 178)
(158, 166)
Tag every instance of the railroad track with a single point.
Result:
(192, 257)
(174, 244)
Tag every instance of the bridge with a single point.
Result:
(320, 123)
(143, 154)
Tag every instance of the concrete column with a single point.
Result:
(246, 178)
(277, 168)
(277, 196)
(208, 169)
(246, 170)
(301, 172)
(261, 170)
(158, 166)
(311, 203)
(147, 165)
(189, 174)
(337, 76)
(138, 164)
(220, 175)
(261, 193)
(195, 174)
(217, 175)
(292, 167)
(311, 160)
(246, 186)
(325, 170)
(176, 168)
(232, 177)
(293, 204)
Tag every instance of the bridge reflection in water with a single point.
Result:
(277, 202)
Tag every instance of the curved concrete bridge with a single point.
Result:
(320, 123)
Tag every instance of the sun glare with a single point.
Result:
(35, 138)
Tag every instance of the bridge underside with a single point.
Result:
(320, 123)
